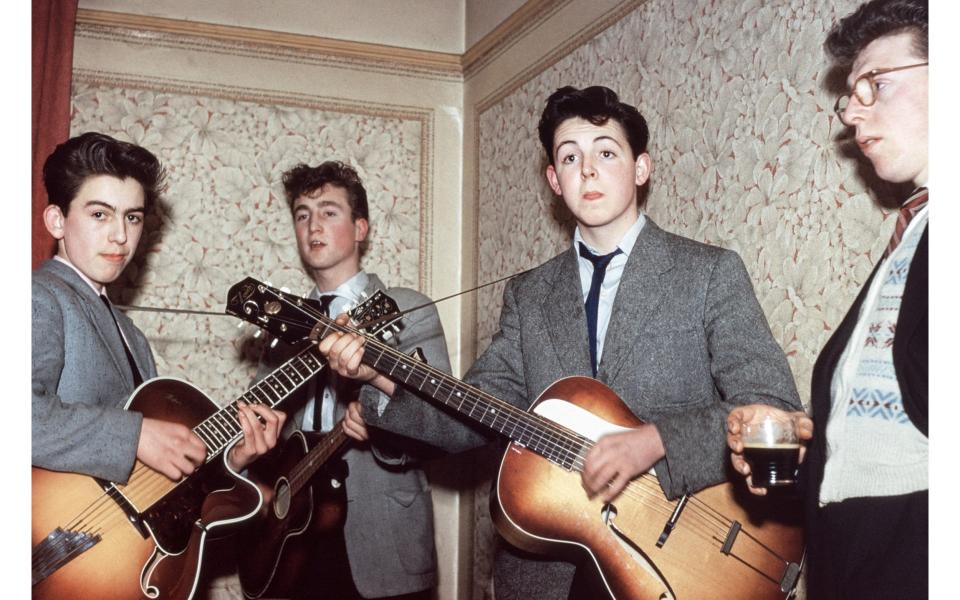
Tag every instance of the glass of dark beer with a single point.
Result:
(771, 448)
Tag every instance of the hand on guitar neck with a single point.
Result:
(261, 428)
(175, 451)
(344, 351)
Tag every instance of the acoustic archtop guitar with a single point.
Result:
(145, 539)
(719, 543)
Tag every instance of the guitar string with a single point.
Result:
(709, 525)
(317, 457)
(145, 484)
(520, 417)
(222, 427)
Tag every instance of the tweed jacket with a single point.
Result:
(687, 341)
(389, 524)
(81, 380)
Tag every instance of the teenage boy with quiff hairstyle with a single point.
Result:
(87, 357)
(678, 334)
(386, 547)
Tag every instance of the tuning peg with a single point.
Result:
(274, 343)
(257, 333)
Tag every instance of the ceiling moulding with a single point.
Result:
(504, 35)
(261, 43)
(561, 50)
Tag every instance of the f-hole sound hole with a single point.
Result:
(608, 513)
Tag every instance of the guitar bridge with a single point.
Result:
(671, 523)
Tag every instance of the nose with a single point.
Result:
(855, 111)
(118, 231)
(586, 169)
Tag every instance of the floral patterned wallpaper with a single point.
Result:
(224, 216)
(747, 152)
(747, 155)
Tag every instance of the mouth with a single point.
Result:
(114, 258)
(866, 143)
(316, 245)
(592, 195)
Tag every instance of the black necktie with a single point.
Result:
(137, 378)
(600, 264)
(324, 377)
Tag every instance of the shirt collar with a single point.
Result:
(351, 289)
(626, 243)
(98, 289)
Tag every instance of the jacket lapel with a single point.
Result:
(638, 295)
(562, 309)
(100, 318)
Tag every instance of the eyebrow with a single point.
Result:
(112, 207)
(595, 140)
(321, 204)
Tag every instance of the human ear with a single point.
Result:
(53, 221)
(360, 228)
(643, 167)
(553, 180)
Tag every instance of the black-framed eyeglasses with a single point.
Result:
(865, 88)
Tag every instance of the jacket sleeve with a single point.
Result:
(83, 428)
(747, 366)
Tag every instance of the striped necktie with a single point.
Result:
(910, 208)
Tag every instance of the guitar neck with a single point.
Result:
(317, 457)
(222, 427)
(557, 444)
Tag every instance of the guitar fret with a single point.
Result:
(293, 382)
(526, 429)
(204, 436)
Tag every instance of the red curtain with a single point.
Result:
(53, 24)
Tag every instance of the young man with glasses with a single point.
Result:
(865, 473)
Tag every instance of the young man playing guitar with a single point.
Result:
(386, 547)
(670, 324)
(88, 358)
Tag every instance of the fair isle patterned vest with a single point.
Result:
(873, 449)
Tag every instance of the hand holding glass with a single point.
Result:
(771, 447)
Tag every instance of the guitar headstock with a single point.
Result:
(292, 318)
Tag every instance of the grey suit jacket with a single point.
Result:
(81, 379)
(389, 525)
(686, 342)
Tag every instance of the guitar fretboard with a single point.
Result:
(222, 427)
(317, 457)
(558, 445)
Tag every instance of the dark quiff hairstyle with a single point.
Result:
(877, 19)
(596, 104)
(303, 180)
(92, 154)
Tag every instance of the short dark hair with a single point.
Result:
(877, 19)
(303, 180)
(91, 154)
(596, 104)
